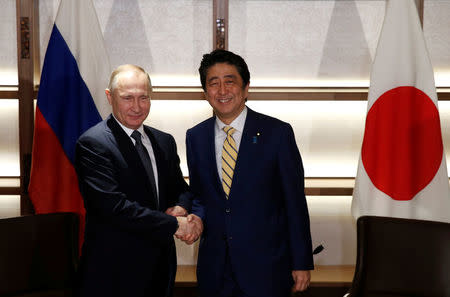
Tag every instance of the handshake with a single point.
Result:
(190, 227)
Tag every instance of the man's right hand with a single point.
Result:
(190, 228)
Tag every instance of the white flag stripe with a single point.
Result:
(85, 41)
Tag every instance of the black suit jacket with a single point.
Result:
(129, 248)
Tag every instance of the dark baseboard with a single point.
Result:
(311, 292)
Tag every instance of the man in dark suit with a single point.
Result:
(129, 175)
(247, 176)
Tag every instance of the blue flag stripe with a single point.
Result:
(64, 99)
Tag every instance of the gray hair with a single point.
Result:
(126, 67)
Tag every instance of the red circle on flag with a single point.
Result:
(402, 147)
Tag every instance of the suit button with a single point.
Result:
(227, 210)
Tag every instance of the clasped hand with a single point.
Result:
(190, 227)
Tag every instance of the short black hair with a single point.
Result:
(223, 56)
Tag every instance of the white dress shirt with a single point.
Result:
(220, 136)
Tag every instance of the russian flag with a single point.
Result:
(402, 171)
(70, 100)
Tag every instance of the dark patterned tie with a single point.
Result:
(145, 158)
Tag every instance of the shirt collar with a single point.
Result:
(238, 123)
(128, 130)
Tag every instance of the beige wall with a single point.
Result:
(286, 43)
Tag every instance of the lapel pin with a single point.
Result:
(255, 138)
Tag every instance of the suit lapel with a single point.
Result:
(210, 154)
(245, 150)
(162, 170)
(130, 155)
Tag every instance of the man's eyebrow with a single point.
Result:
(226, 76)
(212, 78)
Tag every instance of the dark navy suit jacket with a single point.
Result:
(128, 248)
(265, 221)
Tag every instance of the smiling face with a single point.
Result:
(130, 99)
(225, 91)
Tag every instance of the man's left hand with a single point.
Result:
(176, 211)
(301, 280)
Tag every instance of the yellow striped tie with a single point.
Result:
(229, 156)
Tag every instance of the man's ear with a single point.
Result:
(108, 96)
(246, 90)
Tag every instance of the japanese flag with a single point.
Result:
(402, 169)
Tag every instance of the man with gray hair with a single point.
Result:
(130, 180)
